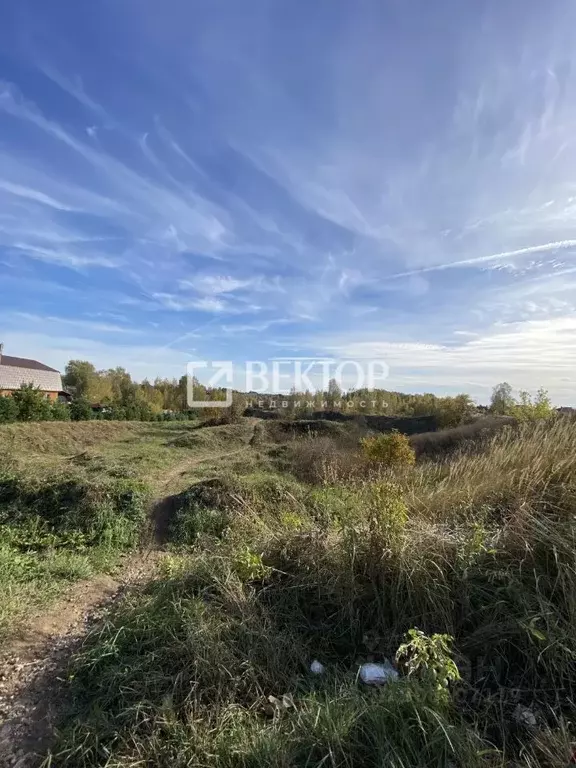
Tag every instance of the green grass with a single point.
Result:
(58, 531)
(75, 496)
(271, 573)
(30, 580)
(137, 450)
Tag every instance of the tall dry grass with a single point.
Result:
(479, 546)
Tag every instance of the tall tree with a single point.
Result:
(79, 376)
(502, 401)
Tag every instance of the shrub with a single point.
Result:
(8, 410)
(81, 410)
(60, 411)
(32, 404)
(429, 659)
(526, 408)
(530, 409)
(392, 449)
(249, 566)
(115, 413)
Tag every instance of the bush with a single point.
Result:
(526, 408)
(60, 411)
(81, 410)
(8, 410)
(531, 409)
(115, 413)
(429, 659)
(32, 404)
(391, 449)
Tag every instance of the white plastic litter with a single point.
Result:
(525, 716)
(317, 668)
(378, 674)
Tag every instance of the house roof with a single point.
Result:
(24, 362)
(15, 371)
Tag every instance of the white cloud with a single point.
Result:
(75, 88)
(143, 361)
(494, 257)
(528, 354)
(201, 304)
(65, 258)
(77, 322)
(216, 284)
(33, 195)
(147, 208)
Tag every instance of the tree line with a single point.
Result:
(113, 395)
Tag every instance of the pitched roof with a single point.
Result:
(24, 362)
(15, 371)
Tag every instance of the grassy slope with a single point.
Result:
(275, 573)
(67, 503)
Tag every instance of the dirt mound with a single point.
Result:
(281, 431)
(470, 435)
(62, 437)
(407, 425)
(211, 438)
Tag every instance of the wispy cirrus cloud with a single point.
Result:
(78, 323)
(496, 259)
(387, 184)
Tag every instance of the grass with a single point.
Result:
(210, 664)
(59, 530)
(141, 450)
(74, 497)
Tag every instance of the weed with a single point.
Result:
(249, 566)
(429, 659)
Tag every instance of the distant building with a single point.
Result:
(16, 371)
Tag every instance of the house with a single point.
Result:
(15, 371)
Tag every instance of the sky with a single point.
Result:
(380, 179)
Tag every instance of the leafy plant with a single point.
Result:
(249, 565)
(60, 411)
(392, 449)
(8, 410)
(428, 658)
(529, 409)
(81, 410)
(32, 404)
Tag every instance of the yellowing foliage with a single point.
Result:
(391, 448)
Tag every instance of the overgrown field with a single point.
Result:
(311, 553)
(76, 497)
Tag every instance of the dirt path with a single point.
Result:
(165, 506)
(31, 665)
(31, 684)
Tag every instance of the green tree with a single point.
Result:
(502, 400)
(60, 411)
(453, 411)
(79, 377)
(8, 410)
(32, 404)
(529, 409)
(81, 410)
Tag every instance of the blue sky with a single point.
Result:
(248, 180)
